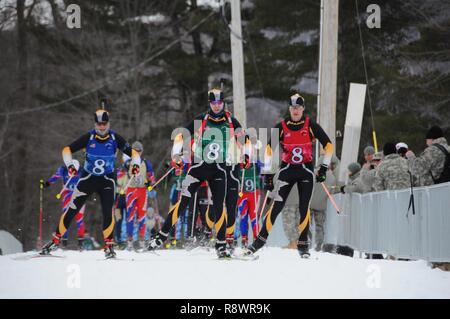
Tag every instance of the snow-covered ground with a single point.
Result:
(278, 273)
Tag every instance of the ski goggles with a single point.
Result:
(216, 102)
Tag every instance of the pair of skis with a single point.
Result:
(37, 255)
(241, 257)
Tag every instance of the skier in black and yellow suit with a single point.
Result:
(210, 147)
(297, 134)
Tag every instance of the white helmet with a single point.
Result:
(76, 164)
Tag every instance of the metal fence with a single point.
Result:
(380, 223)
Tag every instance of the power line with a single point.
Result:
(364, 62)
(114, 79)
(255, 65)
(241, 38)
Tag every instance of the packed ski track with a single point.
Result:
(278, 273)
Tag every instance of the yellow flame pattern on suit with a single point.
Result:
(230, 230)
(268, 218)
(209, 222)
(305, 222)
(174, 213)
(108, 231)
(62, 229)
(222, 220)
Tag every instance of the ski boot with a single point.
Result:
(244, 242)
(248, 251)
(122, 245)
(64, 243)
(222, 251)
(205, 239)
(258, 243)
(130, 246)
(303, 249)
(141, 246)
(211, 243)
(51, 245)
(230, 245)
(109, 249)
(80, 244)
(156, 242)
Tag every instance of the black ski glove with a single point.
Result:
(322, 173)
(268, 181)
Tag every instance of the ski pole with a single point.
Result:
(264, 204)
(41, 190)
(150, 188)
(126, 186)
(242, 183)
(255, 211)
(325, 188)
(58, 196)
(193, 214)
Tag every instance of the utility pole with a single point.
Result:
(237, 62)
(327, 83)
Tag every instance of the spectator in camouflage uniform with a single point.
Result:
(369, 153)
(402, 149)
(368, 170)
(318, 203)
(392, 173)
(430, 164)
(355, 185)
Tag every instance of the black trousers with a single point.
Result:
(197, 209)
(104, 186)
(303, 176)
(232, 196)
(215, 175)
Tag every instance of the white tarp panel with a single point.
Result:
(352, 132)
(9, 244)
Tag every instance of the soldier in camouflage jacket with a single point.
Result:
(393, 172)
(429, 165)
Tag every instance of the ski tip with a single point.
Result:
(37, 255)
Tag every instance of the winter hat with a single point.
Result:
(389, 148)
(216, 96)
(369, 150)
(378, 156)
(402, 148)
(434, 132)
(354, 168)
(137, 146)
(401, 145)
(297, 100)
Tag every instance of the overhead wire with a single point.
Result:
(118, 77)
(358, 21)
